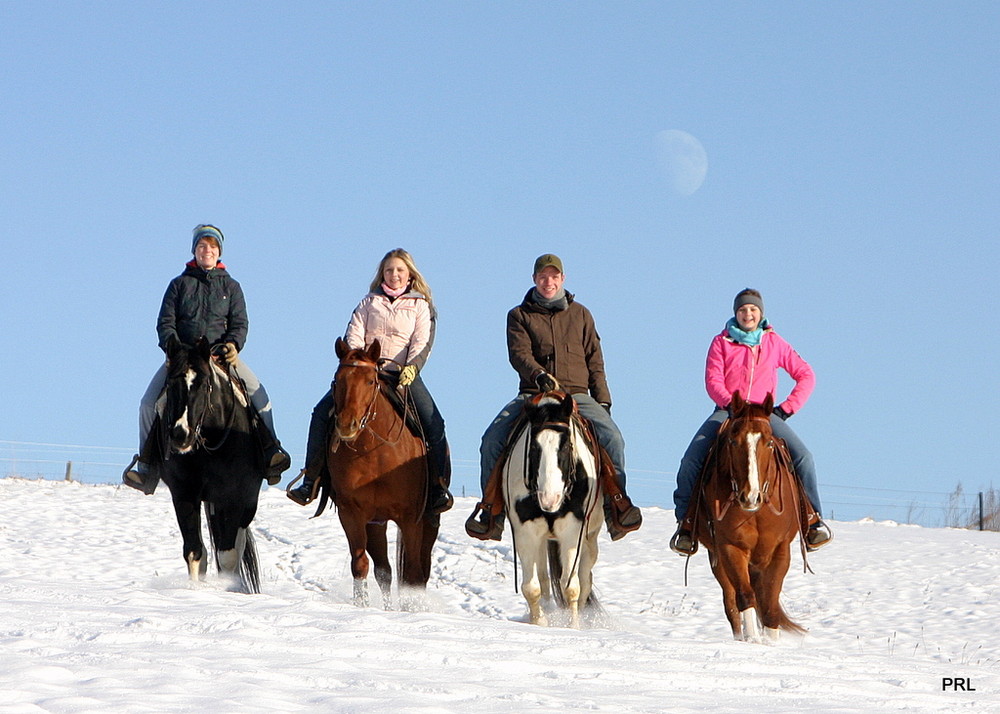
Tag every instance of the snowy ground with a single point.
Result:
(97, 614)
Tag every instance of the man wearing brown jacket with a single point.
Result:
(552, 341)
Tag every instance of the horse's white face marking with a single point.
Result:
(753, 474)
(577, 541)
(550, 477)
(183, 422)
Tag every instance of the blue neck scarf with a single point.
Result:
(750, 339)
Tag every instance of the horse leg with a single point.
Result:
(412, 578)
(588, 558)
(188, 513)
(432, 524)
(378, 549)
(746, 596)
(534, 575)
(570, 584)
(768, 587)
(354, 529)
(732, 571)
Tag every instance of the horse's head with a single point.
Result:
(188, 394)
(746, 451)
(356, 387)
(552, 460)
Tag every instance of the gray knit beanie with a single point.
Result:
(206, 230)
(748, 296)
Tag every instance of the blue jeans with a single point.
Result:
(608, 434)
(430, 418)
(697, 451)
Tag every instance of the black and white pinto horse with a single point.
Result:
(553, 501)
(211, 457)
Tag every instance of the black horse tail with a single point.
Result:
(248, 569)
(555, 580)
(555, 573)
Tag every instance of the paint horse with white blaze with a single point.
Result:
(211, 456)
(553, 501)
(747, 514)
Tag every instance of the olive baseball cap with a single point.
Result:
(544, 261)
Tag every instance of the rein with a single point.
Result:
(371, 411)
(566, 427)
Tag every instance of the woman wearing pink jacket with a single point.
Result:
(397, 312)
(745, 357)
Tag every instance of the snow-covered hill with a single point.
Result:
(97, 615)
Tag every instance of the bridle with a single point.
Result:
(371, 411)
(198, 440)
(727, 446)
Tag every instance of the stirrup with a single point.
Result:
(689, 547)
(304, 494)
(278, 463)
(139, 480)
(439, 500)
(820, 529)
(486, 526)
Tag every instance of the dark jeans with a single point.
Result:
(697, 452)
(430, 418)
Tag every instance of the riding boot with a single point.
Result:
(486, 521)
(818, 535)
(682, 542)
(439, 499)
(306, 493)
(484, 524)
(276, 458)
(620, 514)
(141, 477)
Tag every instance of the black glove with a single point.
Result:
(607, 407)
(546, 382)
(781, 413)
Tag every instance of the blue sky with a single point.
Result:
(852, 177)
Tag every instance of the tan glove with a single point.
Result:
(407, 375)
(230, 353)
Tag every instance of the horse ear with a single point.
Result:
(375, 350)
(204, 349)
(737, 403)
(340, 348)
(568, 405)
(769, 402)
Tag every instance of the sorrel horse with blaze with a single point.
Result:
(747, 516)
(377, 472)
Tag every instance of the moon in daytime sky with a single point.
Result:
(682, 159)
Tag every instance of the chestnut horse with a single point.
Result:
(377, 472)
(747, 515)
(553, 502)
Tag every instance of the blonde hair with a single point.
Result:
(417, 281)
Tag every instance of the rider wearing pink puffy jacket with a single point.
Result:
(745, 357)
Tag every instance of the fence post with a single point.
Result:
(69, 470)
(982, 523)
